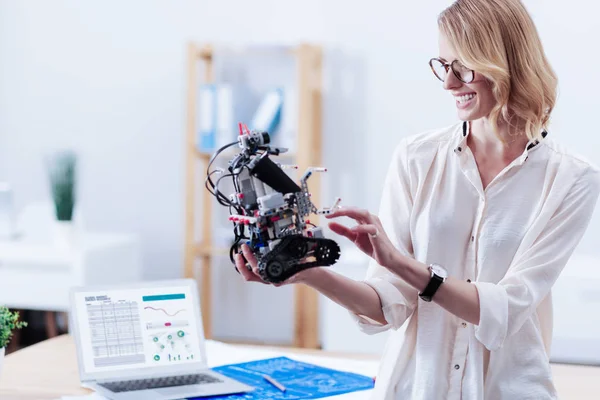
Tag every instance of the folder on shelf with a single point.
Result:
(220, 108)
(207, 114)
(301, 380)
(268, 114)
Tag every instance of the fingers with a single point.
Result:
(249, 255)
(351, 212)
(343, 231)
(251, 260)
(240, 263)
(369, 229)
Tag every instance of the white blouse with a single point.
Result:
(510, 240)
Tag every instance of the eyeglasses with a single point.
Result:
(440, 70)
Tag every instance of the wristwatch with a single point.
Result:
(438, 276)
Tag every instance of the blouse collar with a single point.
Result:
(462, 142)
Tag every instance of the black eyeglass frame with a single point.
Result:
(450, 66)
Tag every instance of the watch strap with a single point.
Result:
(434, 283)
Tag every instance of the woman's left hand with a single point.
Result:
(369, 235)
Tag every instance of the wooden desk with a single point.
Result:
(48, 370)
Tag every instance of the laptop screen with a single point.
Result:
(135, 328)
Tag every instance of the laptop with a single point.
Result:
(144, 341)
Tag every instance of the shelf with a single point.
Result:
(205, 53)
(208, 52)
(307, 61)
(206, 155)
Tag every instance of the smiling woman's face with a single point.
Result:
(474, 100)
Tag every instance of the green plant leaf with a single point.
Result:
(9, 322)
(62, 173)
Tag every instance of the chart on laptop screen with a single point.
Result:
(126, 329)
(167, 327)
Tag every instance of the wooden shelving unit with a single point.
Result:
(308, 60)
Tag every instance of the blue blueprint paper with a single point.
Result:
(302, 380)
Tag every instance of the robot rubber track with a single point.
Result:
(292, 255)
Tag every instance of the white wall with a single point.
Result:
(108, 78)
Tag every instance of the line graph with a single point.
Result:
(165, 311)
(170, 328)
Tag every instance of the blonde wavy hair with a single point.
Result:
(498, 39)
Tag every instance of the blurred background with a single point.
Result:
(123, 86)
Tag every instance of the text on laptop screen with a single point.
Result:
(133, 328)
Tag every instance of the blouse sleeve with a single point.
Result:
(505, 306)
(398, 299)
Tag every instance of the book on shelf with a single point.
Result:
(220, 108)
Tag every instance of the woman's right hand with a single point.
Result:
(252, 275)
(357, 297)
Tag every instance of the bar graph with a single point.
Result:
(171, 346)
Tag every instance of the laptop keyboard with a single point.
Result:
(157, 383)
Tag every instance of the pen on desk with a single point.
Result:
(273, 382)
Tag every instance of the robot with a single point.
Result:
(268, 209)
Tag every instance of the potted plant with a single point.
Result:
(9, 321)
(62, 173)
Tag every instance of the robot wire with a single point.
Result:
(209, 181)
(213, 188)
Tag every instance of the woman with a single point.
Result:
(476, 222)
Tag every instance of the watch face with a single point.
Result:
(439, 270)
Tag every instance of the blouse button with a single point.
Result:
(464, 324)
(472, 238)
(468, 280)
(457, 366)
